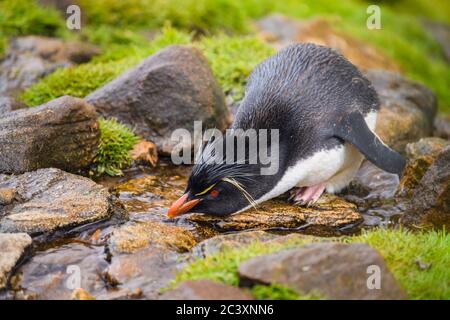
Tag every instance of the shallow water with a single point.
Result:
(146, 193)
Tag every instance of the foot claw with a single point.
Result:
(307, 195)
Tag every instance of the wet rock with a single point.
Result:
(328, 215)
(51, 199)
(63, 133)
(81, 294)
(140, 234)
(8, 104)
(334, 270)
(282, 31)
(149, 270)
(205, 290)
(167, 91)
(426, 146)
(120, 294)
(371, 184)
(430, 202)
(421, 155)
(7, 196)
(12, 248)
(231, 240)
(442, 127)
(32, 57)
(54, 273)
(145, 152)
(407, 109)
(441, 33)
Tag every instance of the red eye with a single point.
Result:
(214, 193)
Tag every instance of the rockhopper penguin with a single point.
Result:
(325, 111)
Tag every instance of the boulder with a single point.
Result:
(334, 270)
(47, 200)
(426, 147)
(327, 216)
(205, 290)
(63, 133)
(32, 57)
(12, 248)
(442, 127)
(281, 31)
(407, 109)
(8, 104)
(167, 91)
(429, 205)
(136, 235)
(421, 155)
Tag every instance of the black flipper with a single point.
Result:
(353, 129)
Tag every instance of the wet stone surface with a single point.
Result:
(329, 214)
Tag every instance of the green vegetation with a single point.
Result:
(400, 248)
(201, 16)
(223, 266)
(23, 17)
(76, 81)
(231, 58)
(116, 142)
(279, 292)
(402, 36)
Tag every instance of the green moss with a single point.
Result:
(77, 81)
(401, 250)
(232, 59)
(279, 292)
(116, 142)
(3, 44)
(203, 16)
(22, 17)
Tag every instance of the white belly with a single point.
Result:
(336, 167)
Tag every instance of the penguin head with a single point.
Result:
(211, 190)
(218, 187)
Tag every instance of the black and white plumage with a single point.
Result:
(325, 111)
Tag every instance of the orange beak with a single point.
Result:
(180, 206)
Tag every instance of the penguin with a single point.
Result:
(325, 112)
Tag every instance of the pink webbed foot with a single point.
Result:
(307, 195)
